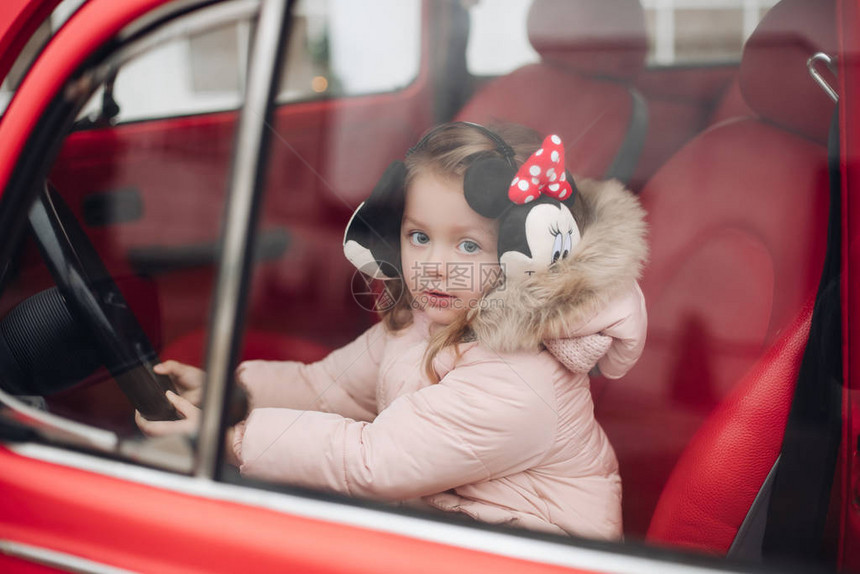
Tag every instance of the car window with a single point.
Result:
(186, 87)
(328, 57)
(679, 32)
(708, 31)
(333, 42)
(498, 40)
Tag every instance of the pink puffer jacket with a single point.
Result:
(508, 435)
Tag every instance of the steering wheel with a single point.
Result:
(95, 301)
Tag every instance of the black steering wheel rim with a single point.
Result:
(94, 299)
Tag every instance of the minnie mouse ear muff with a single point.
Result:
(494, 186)
(532, 204)
(372, 238)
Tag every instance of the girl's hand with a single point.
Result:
(229, 453)
(187, 379)
(186, 426)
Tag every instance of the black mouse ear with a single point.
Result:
(572, 199)
(486, 184)
(371, 241)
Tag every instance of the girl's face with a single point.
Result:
(449, 253)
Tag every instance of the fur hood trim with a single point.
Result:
(551, 304)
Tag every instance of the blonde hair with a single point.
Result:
(449, 150)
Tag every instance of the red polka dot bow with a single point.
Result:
(542, 174)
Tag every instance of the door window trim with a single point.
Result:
(245, 189)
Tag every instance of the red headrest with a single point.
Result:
(774, 79)
(593, 37)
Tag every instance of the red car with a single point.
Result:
(175, 180)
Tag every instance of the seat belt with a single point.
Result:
(624, 163)
(804, 476)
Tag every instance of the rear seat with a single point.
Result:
(590, 50)
(714, 487)
(731, 105)
(738, 228)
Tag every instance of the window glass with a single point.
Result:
(215, 56)
(337, 48)
(198, 73)
(186, 85)
(142, 206)
(498, 40)
(680, 31)
(344, 48)
(685, 31)
(324, 382)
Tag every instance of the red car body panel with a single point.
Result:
(63, 55)
(18, 20)
(146, 529)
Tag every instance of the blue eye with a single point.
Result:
(419, 238)
(469, 246)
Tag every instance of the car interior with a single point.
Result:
(728, 157)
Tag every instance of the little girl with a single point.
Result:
(472, 393)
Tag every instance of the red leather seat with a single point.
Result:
(590, 52)
(738, 227)
(731, 105)
(718, 478)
